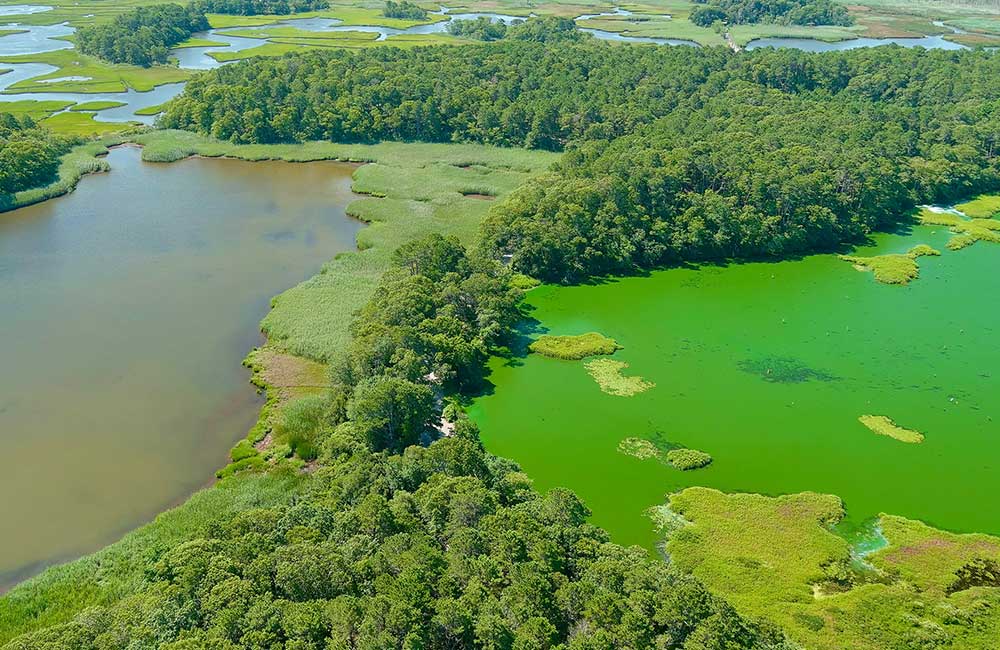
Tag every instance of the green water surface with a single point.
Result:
(767, 366)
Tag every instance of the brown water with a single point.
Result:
(127, 308)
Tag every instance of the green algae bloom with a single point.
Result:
(608, 375)
(894, 268)
(884, 426)
(688, 459)
(574, 347)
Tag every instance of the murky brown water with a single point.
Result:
(127, 308)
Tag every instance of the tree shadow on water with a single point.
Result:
(512, 354)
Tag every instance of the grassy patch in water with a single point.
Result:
(155, 109)
(608, 375)
(638, 448)
(83, 124)
(967, 231)
(783, 370)
(102, 77)
(36, 109)
(96, 106)
(776, 558)
(688, 459)
(574, 347)
(894, 268)
(884, 426)
(983, 206)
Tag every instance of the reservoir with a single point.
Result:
(128, 307)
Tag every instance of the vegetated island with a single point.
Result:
(884, 426)
(575, 347)
(608, 375)
(688, 459)
(967, 231)
(894, 268)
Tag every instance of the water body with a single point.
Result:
(128, 307)
(812, 45)
(767, 367)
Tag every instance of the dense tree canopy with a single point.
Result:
(789, 12)
(404, 9)
(29, 155)
(144, 35)
(260, 7)
(482, 28)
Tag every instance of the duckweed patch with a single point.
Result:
(688, 459)
(967, 231)
(574, 347)
(884, 426)
(894, 268)
(783, 370)
(608, 375)
(638, 448)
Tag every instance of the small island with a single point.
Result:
(894, 268)
(608, 375)
(884, 426)
(574, 348)
(688, 459)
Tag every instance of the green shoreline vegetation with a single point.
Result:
(893, 268)
(575, 347)
(967, 231)
(884, 426)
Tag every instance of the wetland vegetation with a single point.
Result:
(372, 503)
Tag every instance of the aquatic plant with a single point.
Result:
(967, 231)
(574, 347)
(884, 426)
(894, 268)
(638, 448)
(687, 459)
(783, 370)
(608, 375)
(981, 207)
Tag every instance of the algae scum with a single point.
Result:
(769, 368)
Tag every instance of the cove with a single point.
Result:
(128, 307)
(767, 367)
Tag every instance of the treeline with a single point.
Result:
(440, 546)
(787, 12)
(404, 9)
(778, 153)
(144, 35)
(515, 92)
(260, 7)
(548, 29)
(482, 28)
(29, 154)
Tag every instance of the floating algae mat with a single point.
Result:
(768, 368)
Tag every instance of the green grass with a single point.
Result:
(688, 459)
(743, 34)
(894, 268)
(294, 32)
(777, 558)
(36, 109)
(155, 109)
(198, 42)
(984, 206)
(967, 231)
(574, 347)
(11, 32)
(884, 426)
(117, 571)
(104, 77)
(83, 124)
(608, 375)
(416, 189)
(96, 106)
(348, 15)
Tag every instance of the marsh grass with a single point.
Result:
(983, 206)
(688, 459)
(967, 231)
(81, 160)
(639, 448)
(96, 106)
(574, 347)
(884, 426)
(894, 268)
(104, 77)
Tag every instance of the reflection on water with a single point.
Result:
(128, 306)
(812, 45)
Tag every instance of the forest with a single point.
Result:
(259, 7)
(788, 12)
(404, 10)
(144, 35)
(672, 154)
(29, 154)
(402, 545)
